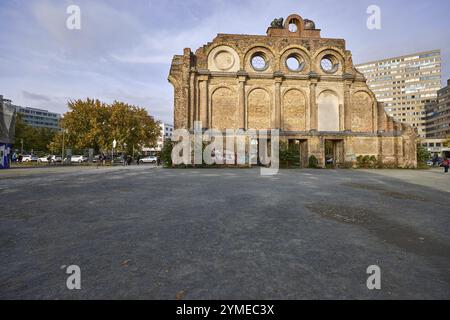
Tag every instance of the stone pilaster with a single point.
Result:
(242, 78)
(347, 107)
(205, 112)
(278, 116)
(313, 106)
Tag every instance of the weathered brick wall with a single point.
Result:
(219, 86)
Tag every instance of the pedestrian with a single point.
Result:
(445, 164)
(435, 160)
(129, 160)
(122, 159)
(100, 160)
(138, 158)
(14, 157)
(20, 158)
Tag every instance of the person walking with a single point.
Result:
(445, 164)
(100, 160)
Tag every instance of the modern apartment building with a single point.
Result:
(166, 133)
(406, 85)
(38, 118)
(438, 115)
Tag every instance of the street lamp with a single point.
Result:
(62, 155)
(114, 146)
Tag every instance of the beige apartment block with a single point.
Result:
(438, 115)
(406, 85)
(293, 80)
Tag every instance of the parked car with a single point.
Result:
(149, 159)
(57, 159)
(29, 158)
(53, 159)
(76, 159)
(44, 159)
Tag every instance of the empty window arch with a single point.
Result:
(328, 111)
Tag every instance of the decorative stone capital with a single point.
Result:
(313, 76)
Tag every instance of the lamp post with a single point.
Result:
(114, 146)
(62, 155)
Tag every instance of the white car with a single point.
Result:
(149, 159)
(29, 158)
(53, 159)
(77, 159)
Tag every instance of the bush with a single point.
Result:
(388, 165)
(166, 153)
(289, 155)
(366, 162)
(345, 165)
(313, 162)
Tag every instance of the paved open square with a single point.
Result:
(143, 232)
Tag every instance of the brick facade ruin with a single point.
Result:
(292, 80)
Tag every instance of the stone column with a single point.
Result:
(277, 114)
(341, 117)
(347, 107)
(278, 111)
(192, 97)
(313, 106)
(204, 105)
(242, 105)
(375, 116)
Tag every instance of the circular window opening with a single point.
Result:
(259, 62)
(295, 63)
(329, 64)
(293, 25)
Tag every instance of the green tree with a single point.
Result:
(313, 162)
(166, 153)
(447, 142)
(289, 154)
(93, 124)
(34, 139)
(422, 155)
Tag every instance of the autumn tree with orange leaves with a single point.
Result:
(95, 124)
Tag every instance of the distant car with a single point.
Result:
(149, 159)
(77, 159)
(44, 159)
(53, 159)
(29, 158)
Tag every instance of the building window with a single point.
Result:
(259, 62)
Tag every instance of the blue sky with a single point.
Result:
(124, 48)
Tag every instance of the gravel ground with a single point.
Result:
(149, 233)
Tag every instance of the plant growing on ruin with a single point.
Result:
(313, 162)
